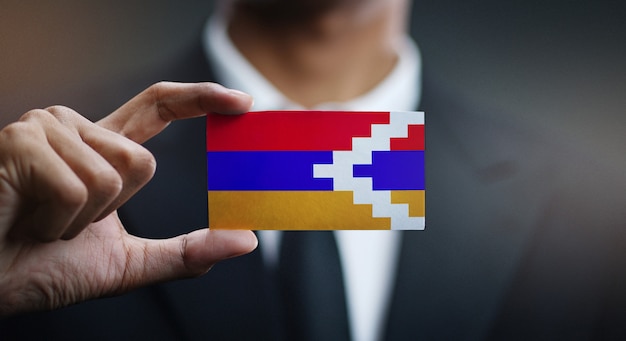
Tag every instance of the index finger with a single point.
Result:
(148, 113)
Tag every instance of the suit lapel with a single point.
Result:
(452, 276)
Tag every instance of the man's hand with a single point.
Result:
(62, 179)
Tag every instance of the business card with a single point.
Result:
(316, 170)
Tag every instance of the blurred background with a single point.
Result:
(559, 64)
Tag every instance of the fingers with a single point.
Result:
(119, 168)
(151, 111)
(65, 183)
(134, 165)
(65, 172)
(52, 194)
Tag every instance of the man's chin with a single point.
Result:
(293, 10)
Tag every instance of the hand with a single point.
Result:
(62, 179)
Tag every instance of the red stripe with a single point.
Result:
(290, 130)
(414, 141)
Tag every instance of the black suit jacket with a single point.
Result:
(523, 240)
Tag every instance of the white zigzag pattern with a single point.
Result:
(341, 170)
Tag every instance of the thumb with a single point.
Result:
(188, 255)
(203, 248)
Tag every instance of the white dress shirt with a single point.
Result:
(368, 258)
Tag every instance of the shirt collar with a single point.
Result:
(399, 91)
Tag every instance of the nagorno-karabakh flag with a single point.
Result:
(316, 170)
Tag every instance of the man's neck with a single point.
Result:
(336, 56)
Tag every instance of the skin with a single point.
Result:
(320, 51)
(62, 179)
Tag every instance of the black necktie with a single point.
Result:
(311, 287)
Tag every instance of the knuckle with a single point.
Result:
(62, 113)
(20, 137)
(73, 196)
(159, 85)
(58, 110)
(138, 163)
(107, 183)
(15, 129)
(51, 115)
(156, 92)
(36, 115)
(144, 165)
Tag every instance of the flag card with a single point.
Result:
(316, 170)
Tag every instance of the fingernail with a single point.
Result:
(242, 95)
(238, 92)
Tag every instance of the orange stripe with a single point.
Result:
(415, 199)
(291, 210)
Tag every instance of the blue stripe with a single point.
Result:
(266, 171)
(394, 170)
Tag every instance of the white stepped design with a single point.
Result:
(341, 170)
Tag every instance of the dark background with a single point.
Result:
(559, 64)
